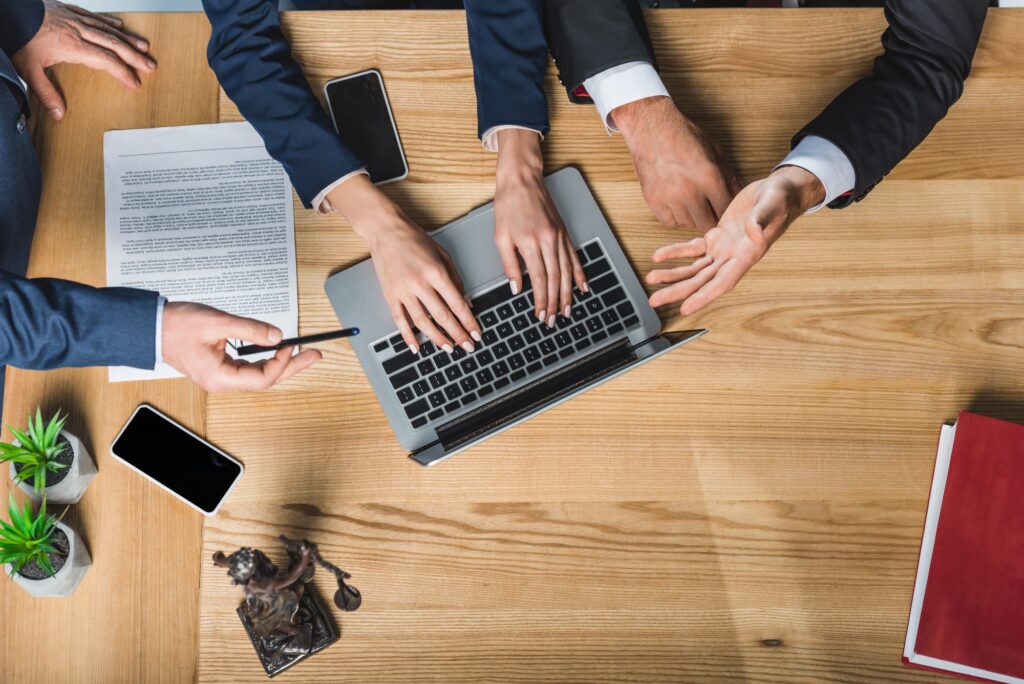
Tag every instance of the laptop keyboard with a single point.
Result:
(516, 347)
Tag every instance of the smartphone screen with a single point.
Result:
(362, 117)
(176, 459)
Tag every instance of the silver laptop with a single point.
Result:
(438, 403)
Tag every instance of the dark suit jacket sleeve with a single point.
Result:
(49, 323)
(587, 37)
(510, 55)
(19, 22)
(877, 121)
(253, 61)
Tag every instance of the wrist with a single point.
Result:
(805, 186)
(368, 210)
(519, 155)
(646, 112)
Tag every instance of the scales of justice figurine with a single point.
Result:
(285, 620)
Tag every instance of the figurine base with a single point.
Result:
(270, 651)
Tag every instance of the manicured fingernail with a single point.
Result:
(515, 287)
(475, 335)
(448, 348)
(551, 321)
(567, 312)
(468, 346)
(586, 287)
(542, 315)
(415, 349)
(57, 113)
(151, 64)
(142, 44)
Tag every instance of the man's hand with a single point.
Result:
(418, 278)
(194, 342)
(73, 35)
(683, 173)
(754, 220)
(526, 221)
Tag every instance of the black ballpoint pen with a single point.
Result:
(293, 341)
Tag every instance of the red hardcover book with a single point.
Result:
(967, 614)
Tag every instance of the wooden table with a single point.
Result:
(748, 508)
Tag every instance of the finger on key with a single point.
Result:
(538, 278)
(401, 319)
(444, 318)
(554, 277)
(421, 319)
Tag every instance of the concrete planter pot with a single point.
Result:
(68, 576)
(80, 475)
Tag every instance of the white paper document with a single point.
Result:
(200, 214)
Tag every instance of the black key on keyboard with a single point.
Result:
(416, 408)
(452, 391)
(531, 353)
(436, 380)
(548, 347)
(518, 375)
(484, 391)
(453, 373)
(631, 321)
(516, 343)
(516, 361)
(546, 331)
(578, 332)
(468, 384)
(505, 311)
(613, 297)
(533, 368)
(403, 378)
(550, 360)
(427, 349)
(609, 316)
(582, 344)
(436, 399)
(563, 322)
(563, 339)
(490, 337)
(593, 306)
(582, 256)
(596, 268)
(625, 309)
(500, 369)
(395, 340)
(380, 346)
(401, 347)
(489, 319)
(485, 376)
(442, 360)
(469, 365)
(520, 304)
(492, 298)
(452, 406)
(593, 324)
(501, 350)
(459, 353)
(521, 322)
(578, 313)
(532, 335)
(603, 283)
(420, 388)
(614, 328)
(434, 415)
(425, 367)
(419, 422)
(468, 399)
(593, 250)
(567, 352)
(484, 357)
(598, 336)
(501, 382)
(405, 395)
(505, 331)
(399, 362)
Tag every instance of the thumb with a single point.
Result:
(48, 96)
(250, 330)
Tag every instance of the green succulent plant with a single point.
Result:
(36, 451)
(27, 537)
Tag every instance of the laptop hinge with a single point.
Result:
(509, 407)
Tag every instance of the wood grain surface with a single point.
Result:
(746, 508)
(134, 617)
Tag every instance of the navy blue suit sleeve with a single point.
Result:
(48, 323)
(253, 61)
(19, 22)
(510, 55)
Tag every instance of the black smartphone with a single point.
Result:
(363, 119)
(178, 460)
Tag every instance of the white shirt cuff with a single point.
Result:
(490, 136)
(159, 356)
(621, 85)
(320, 203)
(827, 162)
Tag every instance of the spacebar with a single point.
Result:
(543, 391)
